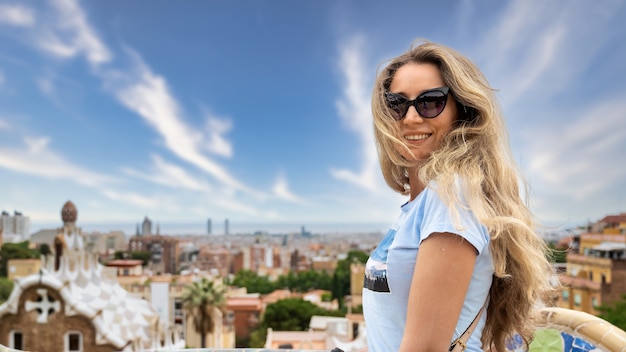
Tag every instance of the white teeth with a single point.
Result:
(417, 137)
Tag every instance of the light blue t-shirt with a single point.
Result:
(389, 271)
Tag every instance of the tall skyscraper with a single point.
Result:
(208, 227)
(226, 227)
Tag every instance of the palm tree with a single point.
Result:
(201, 299)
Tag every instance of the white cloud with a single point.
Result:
(36, 145)
(132, 198)
(16, 15)
(354, 110)
(148, 95)
(36, 158)
(72, 35)
(215, 142)
(535, 48)
(584, 157)
(170, 175)
(281, 190)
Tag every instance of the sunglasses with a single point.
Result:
(429, 104)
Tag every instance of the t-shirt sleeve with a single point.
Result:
(438, 218)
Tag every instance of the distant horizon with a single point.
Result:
(249, 228)
(235, 227)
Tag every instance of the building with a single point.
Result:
(17, 268)
(14, 228)
(217, 260)
(146, 227)
(165, 293)
(69, 305)
(164, 252)
(596, 269)
(246, 309)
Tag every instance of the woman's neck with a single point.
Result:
(416, 185)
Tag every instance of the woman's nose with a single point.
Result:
(412, 116)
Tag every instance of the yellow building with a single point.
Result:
(596, 274)
(18, 268)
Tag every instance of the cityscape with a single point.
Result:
(113, 291)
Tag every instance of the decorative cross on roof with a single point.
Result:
(45, 306)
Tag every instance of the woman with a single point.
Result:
(465, 238)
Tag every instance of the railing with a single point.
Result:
(569, 330)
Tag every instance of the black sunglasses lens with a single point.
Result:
(431, 104)
(398, 104)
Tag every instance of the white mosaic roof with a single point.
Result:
(120, 318)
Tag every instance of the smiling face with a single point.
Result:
(421, 135)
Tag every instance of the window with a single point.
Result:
(565, 295)
(594, 301)
(16, 340)
(577, 299)
(73, 341)
(179, 313)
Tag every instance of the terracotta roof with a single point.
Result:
(612, 219)
(124, 262)
(578, 282)
(245, 302)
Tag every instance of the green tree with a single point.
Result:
(615, 313)
(305, 281)
(341, 277)
(144, 256)
(253, 282)
(6, 286)
(201, 300)
(291, 314)
(15, 251)
(45, 249)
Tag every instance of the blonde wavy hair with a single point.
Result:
(476, 150)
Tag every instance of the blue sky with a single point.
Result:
(259, 111)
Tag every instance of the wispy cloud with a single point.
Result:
(537, 51)
(132, 198)
(148, 95)
(215, 141)
(71, 35)
(282, 191)
(354, 111)
(583, 158)
(36, 158)
(16, 15)
(66, 33)
(170, 175)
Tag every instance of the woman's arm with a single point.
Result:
(443, 271)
